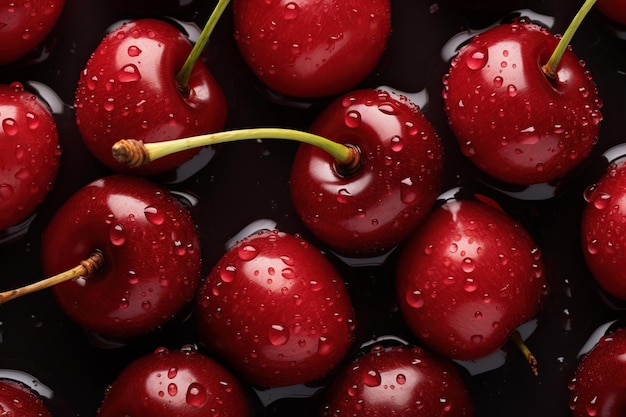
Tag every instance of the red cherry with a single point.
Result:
(372, 209)
(24, 24)
(601, 225)
(613, 9)
(29, 153)
(468, 278)
(515, 123)
(17, 399)
(129, 89)
(150, 251)
(598, 387)
(276, 310)
(311, 49)
(398, 380)
(175, 383)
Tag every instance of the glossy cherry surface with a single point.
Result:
(468, 278)
(29, 153)
(372, 209)
(24, 24)
(613, 9)
(598, 387)
(276, 310)
(181, 382)
(128, 89)
(398, 380)
(601, 230)
(312, 48)
(17, 399)
(151, 255)
(511, 120)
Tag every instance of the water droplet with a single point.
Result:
(477, 60)
(6, 191)
(128, 73)
(172, 372)
(32, 121)
(511, 90)
(10, 126)
(400, 379)
(288, 273)
(408, 195)
(592, 407)
(146, 305)
(278, 335)
(396, 144)
(468, 265)
(291, 11)
(247, 252)
(227, 274)
(134, 51)
(23, 174)
(117, 235)
(470, 285)
(324, 347)
(414, 298)
(196, 394)
(172, 389)
(343, 196)
(353, 119)
(153, 215)
(497, 82)
(601, 200)
(476, 338)
(372, 378)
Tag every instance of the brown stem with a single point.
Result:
(86, 268)
(519, 342)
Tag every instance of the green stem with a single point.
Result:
(185, 72)
(553, 63)
(136, 153)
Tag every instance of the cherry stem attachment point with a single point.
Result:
(182, 78)
(86, 268)
(135, 153)
(521, 345)
(552, 65)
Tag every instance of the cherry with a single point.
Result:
(276, 310)
(169, 383)
(598, 387)
(601, 225)
(613, 9)
(311, 49)
(126, 256)
(17, 399)
(371, 209)
(136, 84)
(371, 177)
(468, 278)
(398, 380)
(522, 109)
(29, 153)
(24, 24)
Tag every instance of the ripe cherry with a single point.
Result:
(17, 399)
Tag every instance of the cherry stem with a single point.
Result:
(182, 78)
(135, 153)
(555, 59)
(86, 268)
(521, 345)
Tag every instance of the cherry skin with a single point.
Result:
(311, 48)
(601, 225)
(468, 278)
(169, 383)
(613, 9)
(29, 153)
(512, 121)
(398, 380)
(598, 387)
(151, 253)
(128, 89)
(24, 24)
(17, 399)
(370, 210)
(276, 310)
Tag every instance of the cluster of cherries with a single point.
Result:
(123, 253)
